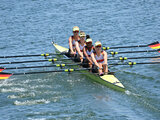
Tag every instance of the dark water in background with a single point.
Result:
(28, 27)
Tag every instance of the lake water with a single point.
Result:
(29, 26)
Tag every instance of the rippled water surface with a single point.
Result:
(29, 26)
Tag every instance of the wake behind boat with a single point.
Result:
(107, 80)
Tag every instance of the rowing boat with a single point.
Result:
(107, 80)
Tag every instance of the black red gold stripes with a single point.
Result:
(1, 69)
(5, 75)
(155, 45)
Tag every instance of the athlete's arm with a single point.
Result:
(78, 49)
(85, 53)
(70, 45)
(105, 58)
(105, 62)
(94, 60)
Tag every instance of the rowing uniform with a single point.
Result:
(77, 56)
(99, 59)
(89, 52)
(89, 55)
(73, 46)
(74, 43)
(81, 47)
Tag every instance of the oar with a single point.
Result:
(154, 45)
(114, 53)
(30, 61)
(134, 63)
(126, 58)
(34, 55)
(4, 75)
(54, 65)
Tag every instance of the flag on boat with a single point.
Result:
(5, 75)
(155, 45)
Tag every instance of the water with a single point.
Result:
(28, 27)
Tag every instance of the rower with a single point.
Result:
(99, 58)
(80, 45)
(72, 40)
(88, 50)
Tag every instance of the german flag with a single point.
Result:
(5, 75)
(1, 69)
(155, 45)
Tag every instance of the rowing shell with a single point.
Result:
(108, 80)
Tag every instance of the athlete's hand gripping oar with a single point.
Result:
(54, 65)
(154, 45)
(114, 53)
(34, 55)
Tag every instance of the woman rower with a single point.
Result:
(72, 40)
(80, 45)
(99, 58)
(88, 50)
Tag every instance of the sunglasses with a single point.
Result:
(83, 37)
(98, 46)
(88, 42)
(76, 31)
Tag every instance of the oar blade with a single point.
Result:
(5, 75)
(1, 69)
(155, 45)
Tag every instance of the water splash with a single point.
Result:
(131, 93)
(31, 102)
(22, 95)
(13, 90)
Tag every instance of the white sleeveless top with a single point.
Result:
(100, 59)
(89, 52)
(81, 47)
(73, 44)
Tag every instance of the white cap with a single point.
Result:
(98, 43)
(88, 40)
(75, 28)
(82, 34)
